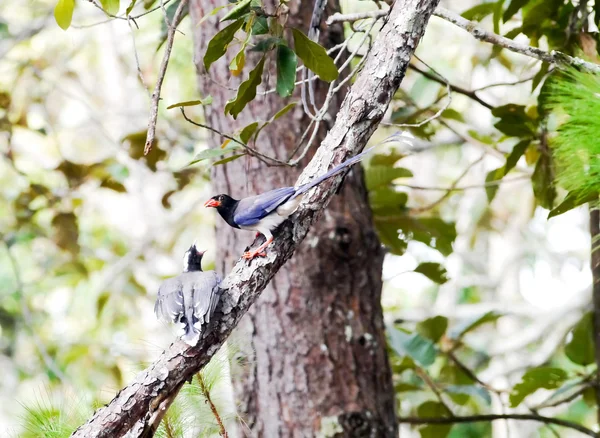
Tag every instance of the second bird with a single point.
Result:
(265, 212)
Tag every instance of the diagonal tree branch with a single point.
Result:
(363, 108)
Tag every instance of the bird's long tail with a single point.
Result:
(191, 335)
(337, 169)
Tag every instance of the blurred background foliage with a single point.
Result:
(486, 300)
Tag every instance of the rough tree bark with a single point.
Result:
(314, 341)
(134, 407)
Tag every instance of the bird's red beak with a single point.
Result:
(212, 203)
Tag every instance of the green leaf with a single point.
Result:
(388, 235)
(452, 114)
(247, 132)
(63, 13)
(433, 328)
(239, 10)
(386, 201)
(534, 379)
(206, 101)
(471, 324)
(66, 232)
(130, 7)
(470, 390)
(260, 26)
(267, 44)
(513, 8)
(228, 159)
(580, 348)
(543, 182)
(110, 6)
(572, 200)
(514, 121)
(432, 231)
(246, 92)
(514, 156)
(283, 111)
(431, 409)
(434, 271)
(406, 387)
(381, 176)
(479, 12)
(493, 176)
(417, 347)
(314, 56)
(386, 160)
(217, 46)
(213, 153)
(212, 13)
(286, 70)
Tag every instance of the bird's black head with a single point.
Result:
(225, 205)
(192, 260)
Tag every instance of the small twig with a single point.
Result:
(429, 382)
(161, 77)
(213, 408)
(494, 417)
(251, 151)
(468, 187)
(137, 59)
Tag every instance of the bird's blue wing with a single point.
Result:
(251, 210)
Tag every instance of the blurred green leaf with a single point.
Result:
(472, 391)
(386, 160)
(379, 176)
(580, 348)
(247, 91)
(434, 271)
(136, 142)
(471, 324)
(110, 6)
(267, 44)
(206, 101)
(130, 7)
(228, 159)
(386, 201)
(543, 182)
(247, 131)
(63, 13)
(572, 200)
(283, 111)
(388, 235)
(513, 8)
(286, 70)
(239, 10)
(215, 152)
(406, 387)
(217, 46)
(66, 232)
(493, 176)
(534, 379)
(260, 26)
(314, 56)
(113, 185)
(432, 409)
(433, 328)
(417, 347)
(479, 12)
(514, 121)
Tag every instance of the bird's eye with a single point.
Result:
(220, 198)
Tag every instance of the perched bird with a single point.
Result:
(265, 212)
(190, 298)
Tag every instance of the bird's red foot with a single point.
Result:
(257, 234)
(249, 255)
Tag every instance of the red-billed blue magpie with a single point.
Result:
(190, 298)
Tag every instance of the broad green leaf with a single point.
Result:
(386, 160)
(260, 26)
(63, 13)
(286, 70)
(238, 62)
(471, 324)
(493, 176)
(514, 121)
(514, 156)
(247, 132)
(110, 6)
(246, 92)
(214, 153)
(217, 46)
(136, 142)
(513, 8)
(479, 12)
(580, 348)
(130, 7)
(406, 387)
(572, 200)
(534, 379)
(470, 390)
(66, 232)
(434, 271)
(386, 201)
(382, 176)
(432, 409)
(206, 101)
(417, 347)
(543, 182)
(212, 13)
(388, 235)
(452, 114)
(433, 328)
(228, 159)
(314, 56)
(432, 231)
(283, 111)
(239, 10)
(266, 44)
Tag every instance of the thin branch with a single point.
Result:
(468, 187)
(481, 34)
(137, 58)
(595, 266)
(438, 393)
(470, 94)
(161, 76)
(493, 417)
(206, 393)
(251, 151)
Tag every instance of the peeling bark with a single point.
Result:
(130, 412)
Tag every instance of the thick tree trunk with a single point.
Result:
(316, 348)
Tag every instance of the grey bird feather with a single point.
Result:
(190, 298)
